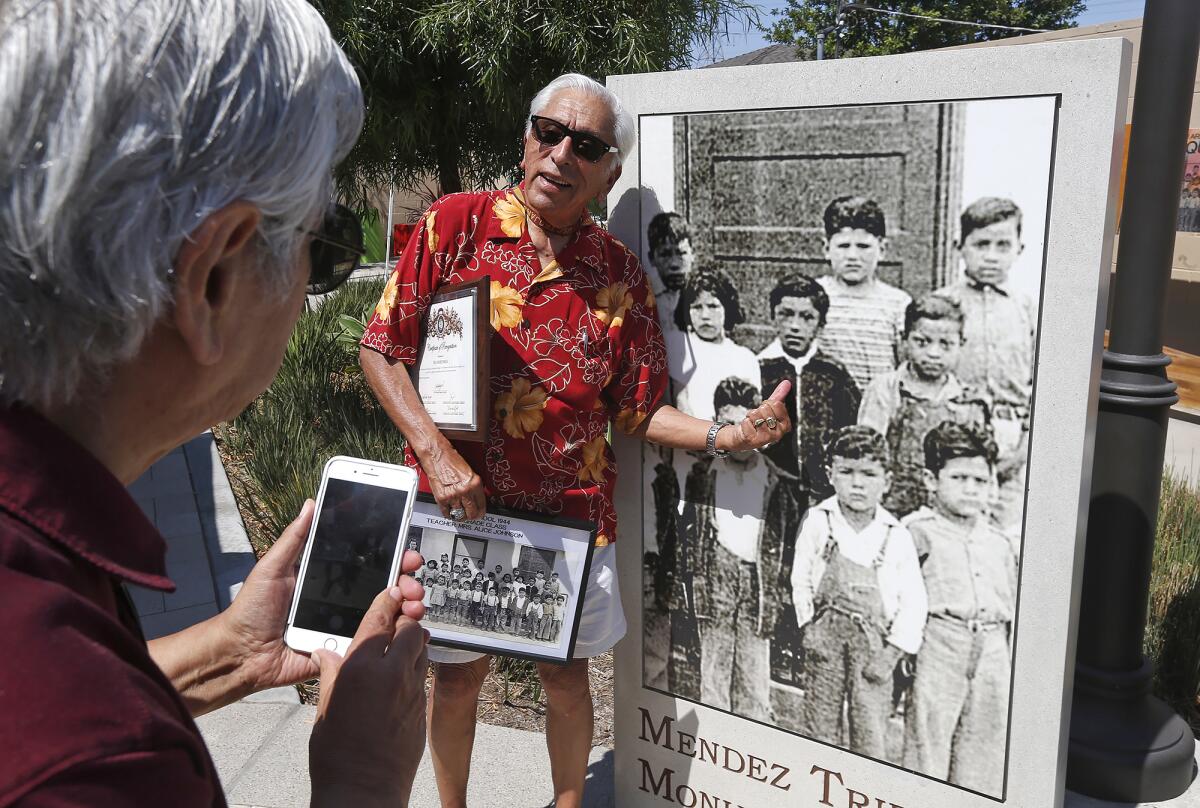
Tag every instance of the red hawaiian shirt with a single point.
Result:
(575, 346)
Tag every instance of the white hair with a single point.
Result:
(126, 123)
(624, 127)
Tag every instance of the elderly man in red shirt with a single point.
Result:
(166, 172)
(575, 347)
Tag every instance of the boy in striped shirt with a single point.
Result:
(865, 324)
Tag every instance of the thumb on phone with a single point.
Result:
(378, 624)
(328, 663)
(370, 641)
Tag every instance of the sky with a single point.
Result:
(739, 42)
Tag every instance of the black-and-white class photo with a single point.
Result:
(855, 583)
(492, 588)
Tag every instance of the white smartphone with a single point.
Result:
(354, 550)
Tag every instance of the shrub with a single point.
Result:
(318, 406)
(1173, 627)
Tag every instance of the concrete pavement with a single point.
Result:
(188, 497)
(261, 752)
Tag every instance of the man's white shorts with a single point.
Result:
(601, 625)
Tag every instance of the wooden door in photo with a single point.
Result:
(906, 157)
(470, 553)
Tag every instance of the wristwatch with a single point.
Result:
(710, 444)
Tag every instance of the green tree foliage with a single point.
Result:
(448, 82)
(870, 33)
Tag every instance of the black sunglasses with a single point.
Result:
(550, 132)
(336, 250)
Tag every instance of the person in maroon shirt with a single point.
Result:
(166, 176)
(575, 347)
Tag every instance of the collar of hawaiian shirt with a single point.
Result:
(508, 223)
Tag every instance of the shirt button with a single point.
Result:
(525, 324)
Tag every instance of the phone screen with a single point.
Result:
(351, 557)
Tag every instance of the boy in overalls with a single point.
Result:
(859, 596)
(957, 723)
(456, 610)
(560, 612)
(490, 603)
(533, 617)
(519, 605)
(464, 600)
(543, 629)
(475, 610)
(502, 608)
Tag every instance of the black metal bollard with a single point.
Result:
(1126, 745)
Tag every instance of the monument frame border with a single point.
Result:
(1091, 81)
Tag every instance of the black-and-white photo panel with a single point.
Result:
(863, 586)
(886, 260)
(508, 583)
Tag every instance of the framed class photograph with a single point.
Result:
(451, 374)
(509, 583)
(881, 606)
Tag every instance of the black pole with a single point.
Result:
(1125, 744)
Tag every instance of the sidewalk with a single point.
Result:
(260, 744)
(261, 751)
(188, 497)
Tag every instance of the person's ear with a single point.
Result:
(930, 482)
(612, 180)
(208, 268)
(883, 248)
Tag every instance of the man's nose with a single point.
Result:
(561, 152)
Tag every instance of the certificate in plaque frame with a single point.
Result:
(453, 365)
(523, 551)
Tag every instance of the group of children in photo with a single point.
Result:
(525, 605)
(887, 544)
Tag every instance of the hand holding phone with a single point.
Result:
(354, 550)
(370, 729)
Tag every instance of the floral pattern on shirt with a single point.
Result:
(507, 304)
(510, 212)
(575, 346)
(520, 408)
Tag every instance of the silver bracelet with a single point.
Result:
(710, 444)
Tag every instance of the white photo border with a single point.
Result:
(575, 538)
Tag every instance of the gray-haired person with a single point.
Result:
(165, 185)
(546, 263)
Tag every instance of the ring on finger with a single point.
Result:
(458, 513)
(759, 422)
(771, 422)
